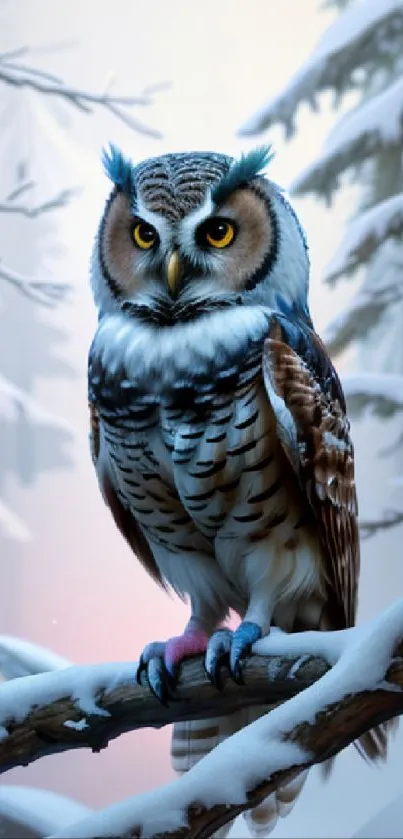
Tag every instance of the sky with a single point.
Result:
(79, 591)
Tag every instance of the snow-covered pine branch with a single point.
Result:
(363, 687)
(353, 679)
(362, 313)
(360, 37)
(12, 72)
(364, 236)
(382, 392)
(374, 126)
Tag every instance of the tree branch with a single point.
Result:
(392, 518)
(18, 75)
(46, 293)
(347, 682)
(60, 200)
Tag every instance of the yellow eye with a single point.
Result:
(218, 233)
(144, 235)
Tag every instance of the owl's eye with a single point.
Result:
(216, 233)
(144, 235)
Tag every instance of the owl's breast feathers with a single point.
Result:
(262, 447)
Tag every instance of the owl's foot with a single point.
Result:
(160, 661)
(226, 646)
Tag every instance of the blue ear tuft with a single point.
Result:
(118, 168)
(242, 171)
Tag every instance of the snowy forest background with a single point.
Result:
(332, 80)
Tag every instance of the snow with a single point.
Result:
(383, 392)
(83, 684)
(374, 125)
(365, 234)
(357, 36)
(361, 315)
(14, 402)
(256, 752)
(22, 658)
(39, 810)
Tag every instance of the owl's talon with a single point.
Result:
(160, 662)
(242, 640)
(217, 654)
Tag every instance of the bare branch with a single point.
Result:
(20, 75)
(55, 203)
(46, 293)
(392, 518)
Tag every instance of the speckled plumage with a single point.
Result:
(220, 436)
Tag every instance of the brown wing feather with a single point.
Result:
(122, 516)
(315, 434)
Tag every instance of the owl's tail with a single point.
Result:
(192, 740)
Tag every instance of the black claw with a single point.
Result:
(217, 655)
(157, 678)
(155, 675)
(141, 668)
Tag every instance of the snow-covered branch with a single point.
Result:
(372, 127)
(23, 658)
(364, 236)
(382, 392)
(359, 38)
(87, 706)
(362, 313)
(363, 688)
(12, 72)
(341, 684)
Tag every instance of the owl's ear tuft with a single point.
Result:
(118, 168)
(241, 172)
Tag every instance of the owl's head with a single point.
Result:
(185, 234)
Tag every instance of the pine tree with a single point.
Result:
(360, 53)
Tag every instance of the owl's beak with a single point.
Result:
(174, 269)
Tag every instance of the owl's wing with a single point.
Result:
(124, 520)
(308, 402)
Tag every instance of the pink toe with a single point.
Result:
(183, 646)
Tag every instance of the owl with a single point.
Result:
(218, 424)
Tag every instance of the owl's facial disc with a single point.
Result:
(189, 266)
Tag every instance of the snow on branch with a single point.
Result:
(372, 127)
(362, 313)
(359, 38)
(382, 392)
(364, 236)
(341, 684)
(23, 658)
(28, 811)
(12, 72)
